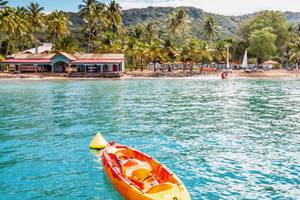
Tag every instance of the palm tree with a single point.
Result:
(36, 18)
(102, 22)
(153, 50)
(138, 32)
(3, 4)
(179, 23)
(136, 44)
(197, 51)
(87, 6)
(7, 20)
(66, 44)
(109, 43)
(95, 20)
(140, 52)
(8, 26)
(184, 53)
(169, 51)
(22, 28)
(290, 47)
(114, 14)
(295, 53)
(220, 51)
(150, 32)
(87, 11)
(58, 24)
(13, 27)
(238, 48)
(204, 52)
(211, 28)
(130, 50)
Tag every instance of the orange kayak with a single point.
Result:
(137, 176)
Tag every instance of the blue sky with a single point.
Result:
(227, 7)
(50, 5)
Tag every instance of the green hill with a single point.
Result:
(228, 25)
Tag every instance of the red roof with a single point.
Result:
(67, 55)
(34, 61)
(87, 61)
(81, 59)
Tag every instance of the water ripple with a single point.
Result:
(235, 139)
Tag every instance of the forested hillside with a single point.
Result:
(228, 25)
(163, 34)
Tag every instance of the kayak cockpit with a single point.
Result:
(142, 171)
(143, 176)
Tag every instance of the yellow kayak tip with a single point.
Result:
(98, 142)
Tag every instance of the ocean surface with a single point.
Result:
(233, 139)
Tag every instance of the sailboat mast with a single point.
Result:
(227, 59)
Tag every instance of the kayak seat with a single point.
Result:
(133, 164)
(141, 174)
(161, 187)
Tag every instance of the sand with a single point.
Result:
(150, 74)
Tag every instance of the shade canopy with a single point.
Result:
(271, 62)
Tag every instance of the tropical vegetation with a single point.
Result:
(267, 35)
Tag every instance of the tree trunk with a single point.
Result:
(89, 39)
(35, 42)
(7, 48)
(89, 43)
(1, 42)
(142, 64)
(136, 65)
(131, 68)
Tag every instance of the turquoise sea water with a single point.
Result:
(234, 139)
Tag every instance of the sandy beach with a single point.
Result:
(151, 74)
(271, 73)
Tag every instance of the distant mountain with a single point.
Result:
(293, 17)
(228, 25)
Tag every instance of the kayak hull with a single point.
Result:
(122, 187)
(130, 191)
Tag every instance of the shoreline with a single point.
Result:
(150, 75)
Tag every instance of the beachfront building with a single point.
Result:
(76, 64)
(44, 48)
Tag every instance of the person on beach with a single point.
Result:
(224, 75)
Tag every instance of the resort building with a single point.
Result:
(61, 62)
(45, 48)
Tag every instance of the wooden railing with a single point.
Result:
(95, 74)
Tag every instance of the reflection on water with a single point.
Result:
(225, 139)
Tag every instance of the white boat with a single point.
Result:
(227, 59)
(245, 60)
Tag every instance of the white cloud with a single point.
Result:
(228, 7)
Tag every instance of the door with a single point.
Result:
(115, 68)
(60, 67)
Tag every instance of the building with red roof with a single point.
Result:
(60, 62)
